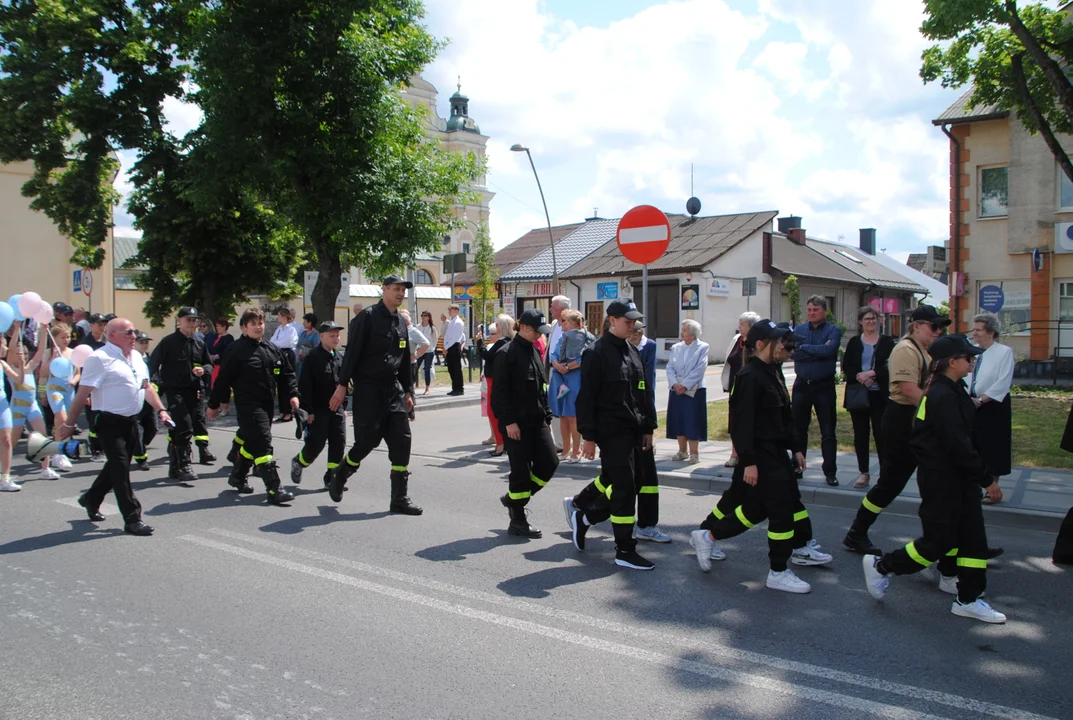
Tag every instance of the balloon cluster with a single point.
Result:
(22, 306)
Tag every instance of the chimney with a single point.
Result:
(796, 235)
(868, 241)
(788, 223)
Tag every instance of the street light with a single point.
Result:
(551, 237)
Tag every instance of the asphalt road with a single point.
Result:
(236, 609)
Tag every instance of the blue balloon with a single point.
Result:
(60, 368)
(7, 316)
(13, 302)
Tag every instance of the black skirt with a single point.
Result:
(994, 430)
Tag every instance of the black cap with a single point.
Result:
(768, 330)
(624, 308)
(536, 320)
(95, 318)
(141, 337)
(62, 308)
(396, 280)
(639, 325)
(110, 317)
(185, 312)
(950, 346)
(928, 313)
(329, 325)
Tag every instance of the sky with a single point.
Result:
(810, 108)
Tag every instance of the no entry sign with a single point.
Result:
(643, 234)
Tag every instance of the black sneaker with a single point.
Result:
(578, 528)
(278, 496)
(143, 465)
(630, 559)
(860, 544)
(832, 480)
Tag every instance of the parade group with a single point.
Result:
(99, 364)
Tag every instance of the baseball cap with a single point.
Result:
(624, 308)
(768, 330)
(95, 318)
(535, 319)
(109, 317)
(141, 337)
(639, 325)
(394, 279)
(328, 326)
(185, 312)
(928, 313)
(62, 308)
(950, 346)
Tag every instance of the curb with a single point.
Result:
(454, 402)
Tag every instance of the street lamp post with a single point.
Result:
(551, 237)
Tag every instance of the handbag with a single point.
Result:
(857, 395)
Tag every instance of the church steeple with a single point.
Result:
(460, 119)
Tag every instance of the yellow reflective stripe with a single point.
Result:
(972, 563)
(788, 535)
(201, 437)
(605, 489)
(952, 553)
(242, 451)
(351, 463)
(800, 515)
(141, 457)
(398, 468)
(741, 516)
(922, 410)
(911, 548)
(92, 434)
(262, 460)
(871, 506)
(301, 459)
(649, 490)
(332, 466)
(641, 385)
(239, 441)
(623, 519)
(519, 496)
(537, 480)
(718, 513)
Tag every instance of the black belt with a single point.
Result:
(819, 380)
(105, 413)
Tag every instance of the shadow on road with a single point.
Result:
(328, 514)
(80, 531)
(460, 549)
(226, 498)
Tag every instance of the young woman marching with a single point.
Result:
(59, 390)
(24, 407)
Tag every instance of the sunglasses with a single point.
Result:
(132, 331)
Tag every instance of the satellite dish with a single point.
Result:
(693, 206)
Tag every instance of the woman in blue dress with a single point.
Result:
(566, 380)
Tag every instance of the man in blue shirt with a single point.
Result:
(815, 362)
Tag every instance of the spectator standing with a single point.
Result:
(218, 349)
(502, 332)
(454, 340)
(566, 379)
(559, 304)
(864, 365)
(308, 338)
(286, 339)
(80, 326)
(815, 362)
(441, 354)
(419, 344)
(989, 387)
(736, 356)
(428, 329)
(687, 406)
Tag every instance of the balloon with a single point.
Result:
(13, 301)
(28, 304)
(7, 316)
(79, 355)
(61, 367)
(43, 314)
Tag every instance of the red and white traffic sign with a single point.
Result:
(643, 234)
(87, 282)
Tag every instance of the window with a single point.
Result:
(465, 248)
(446, 240)
(994, 191)
(846, 255)
(1065, 192)
(1065, 301)
(423, 277)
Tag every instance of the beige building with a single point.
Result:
(1011, 231)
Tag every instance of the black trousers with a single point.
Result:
(953, 527)
(615, 492)
(327, 428)
(91, 421)
(454, 366)
(146, 432)
(187, 410)
(899, 464)
(255, 430)
(1063, 544)
(863, 420)
(821, 396)
(380, 415)
(533, 462)
(736, 496)
(118, 436)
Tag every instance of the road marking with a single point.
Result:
(699, 668)
(529, 608)
(106, 508)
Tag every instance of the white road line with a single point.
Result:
(959, 702)
(574, 638)
(106, 508)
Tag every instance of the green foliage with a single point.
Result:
(793, 293)
(484, 257)
(944, 308)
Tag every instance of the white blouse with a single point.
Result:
(285, 337)
(993, 373)
(687, 364)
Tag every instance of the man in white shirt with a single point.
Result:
(559, 303)
(118, 379)
(419, 344)
(454, 340)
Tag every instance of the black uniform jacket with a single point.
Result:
(488, 357)
(944, 438)
(257, 372)
(174, 358)
(378, 350)
(319, 379)
(613, 399)
(761, 424)
(519, 387)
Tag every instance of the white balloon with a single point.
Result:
(44, 313)
(79, 355)
(29, 303)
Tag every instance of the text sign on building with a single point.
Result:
(342, 299)
(607, 291)
(719, 287)
(691, 297)
(992, 298)
(643, 234)
(541, 289)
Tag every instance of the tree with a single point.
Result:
(483, 291)
(302, 103)
(1015, 57)
(793, 293)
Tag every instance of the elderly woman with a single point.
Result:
(989, 387)
(864, 365)
(735, 360)
(687, 408)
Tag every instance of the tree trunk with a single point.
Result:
(208, 308)
(1018, 71)
(327, 287)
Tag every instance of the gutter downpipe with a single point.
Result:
(578, 293)
(955, 266)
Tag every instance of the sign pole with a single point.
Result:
(644, 291)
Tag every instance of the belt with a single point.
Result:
(818, 380)
(117, 416)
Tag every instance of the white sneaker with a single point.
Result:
(809, 555)
(8, 486)
(680, 456)
(60, 462)
(97, 457)
(949, 585)
(786, 581)
(979, 610)
(694, 459)
(876, 582)
(703, 545)
(717, 553)
(652, 534)
(568, 508)
(50, 474)
(814, 544)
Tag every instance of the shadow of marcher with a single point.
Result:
(226, 498)
(538, 585)
(80, 531)
(328, 514)
(460, 549)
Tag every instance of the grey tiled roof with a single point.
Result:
(522, 249)
(866, 267)
(572, 249)
(123, 249)
(960, 112)
(789, 258)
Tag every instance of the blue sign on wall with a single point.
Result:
(77, 281)
(607, 291)
(992, 298)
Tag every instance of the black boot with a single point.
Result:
(239, 471)
(233, 455)
(173, 462)
(519, 523)
(186, 468)
(339, 477)
(204, 455)
(857, 540)
(400, 503)
(269, 472)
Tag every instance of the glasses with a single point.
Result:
(130, 332)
